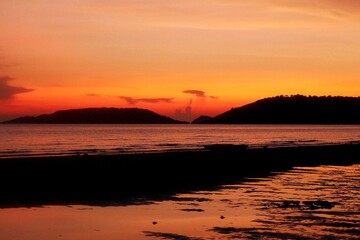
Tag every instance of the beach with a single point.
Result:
(307, 192)
(132, 178)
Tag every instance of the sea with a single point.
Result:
(57, 139)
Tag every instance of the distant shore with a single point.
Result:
(119, 179)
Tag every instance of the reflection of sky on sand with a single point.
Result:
(261, 208)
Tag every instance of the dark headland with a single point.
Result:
(126, 178)
(201, 119)
(99, 116)
(296, 109)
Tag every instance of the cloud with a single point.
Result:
(93, 95)
(7, 92)
(199, 94)
(342, 5)
(133, 101)
(224, 15)
(345, 9)
(185, 115)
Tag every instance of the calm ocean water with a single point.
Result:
(24, 139)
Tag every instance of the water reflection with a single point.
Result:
(303, 203)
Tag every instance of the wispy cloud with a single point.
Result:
(186, 114)
(133, 101)
(199, 94)
(220, 14)
(340, 9)
(93, 95)
(7, 92)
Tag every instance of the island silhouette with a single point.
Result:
(294, 109)
(99, 116)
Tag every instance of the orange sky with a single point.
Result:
(149, 53)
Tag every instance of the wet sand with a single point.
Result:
(129, 179)
(275, 207)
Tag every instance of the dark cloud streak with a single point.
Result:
(7, 92)
(93, 95)
(199, 94)
(133, 101)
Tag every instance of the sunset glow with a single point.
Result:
(178, 58)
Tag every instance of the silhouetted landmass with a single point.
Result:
(98, 115)
(295, 109)
(201, 119)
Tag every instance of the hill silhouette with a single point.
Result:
(201, 119)
(296, 109)
(98, 115)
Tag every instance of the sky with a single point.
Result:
(180, 58)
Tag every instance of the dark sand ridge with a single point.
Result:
(137, 178)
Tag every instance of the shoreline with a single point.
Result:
(129, 178)
(118, 151)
